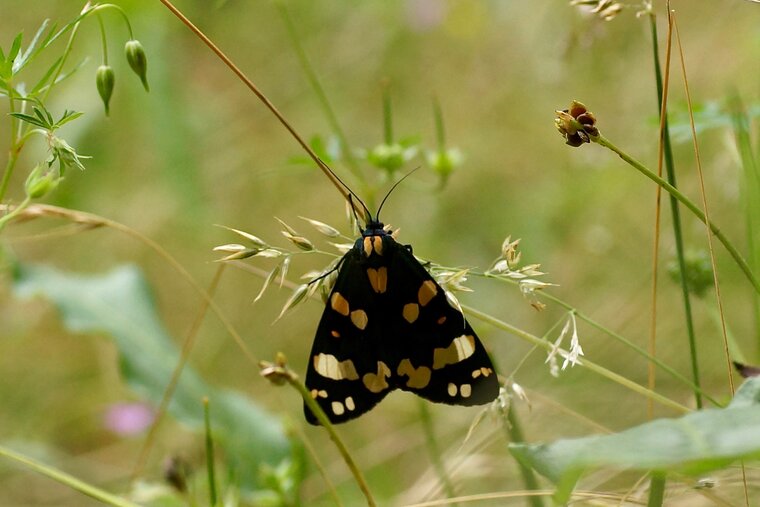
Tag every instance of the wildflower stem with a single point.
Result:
(293, 380)
(311, 75)
(588, 364)
(16, 211)
(209, 454)
(666, 150)
(603, 141)
(66, 479)
(585, 318)
(514, 433)
(433, 451)
(656, 489)
(264, 100)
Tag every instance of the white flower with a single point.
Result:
(570, 357)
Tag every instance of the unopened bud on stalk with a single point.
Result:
(138, 61)
(104, 79)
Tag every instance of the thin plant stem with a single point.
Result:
(171, 387)
(267, 103)
(311, 75)
(103, 39)
(66, 479)
(703, 193)
(514, 433)
(625, 341)
(210, 461)
(586, 363)
(656, 489)
(387, 114)
(665, 150)
(433, 451)
(603, 141)
(278, 373)
(318, 463)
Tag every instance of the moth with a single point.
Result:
(388, 325)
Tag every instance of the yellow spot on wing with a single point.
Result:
(377, 243)
(378, 279)
(328, 366)
(359, 318)
(350, 403)
(339, 304)
(427, 291)
(465, 390)
(452, 389)
(460, 349)
(376, 382)
(335, 334)
(411, 312)
(418, 377)
(367, 246)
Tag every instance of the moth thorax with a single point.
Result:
(372, 243)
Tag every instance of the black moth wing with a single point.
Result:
(388, 324)
(436, 353)
(342, 353)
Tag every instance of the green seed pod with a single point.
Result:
(137, 60)
(105, 81)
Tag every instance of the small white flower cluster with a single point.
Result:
(570, 357)
(507, 266)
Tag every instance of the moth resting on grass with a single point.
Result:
(389, 325)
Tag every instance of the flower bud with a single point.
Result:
(104, 79)
(40, 183)
(576, 124)
(138, 61)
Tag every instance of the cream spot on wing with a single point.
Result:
(350, 403)
(328, 366)
(322, 394)
(377, 243)
(418, 377)
(486, 371)
(314, 393)
(376, 382)
(465, 390)
(339, 304)
(337, 408)
(452, 389)
(460, 349)
(476, 373)
(359, 318)
(427, 291)
(411, 311)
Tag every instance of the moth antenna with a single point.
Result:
(350, 192)
(356, 216)
(377, 216)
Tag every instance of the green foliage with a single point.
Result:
(120, 304)
(695, 443)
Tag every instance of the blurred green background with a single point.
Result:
(200, 150)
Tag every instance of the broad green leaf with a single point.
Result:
(693, 444)
(120, 304)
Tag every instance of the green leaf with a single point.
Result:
(15, 47)
(29, 119)
(30, 51)
(693, 444)
(120, 304)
